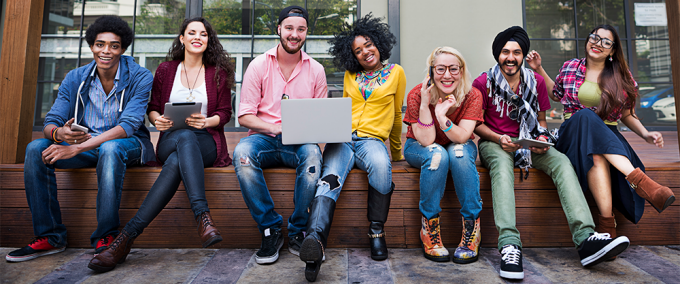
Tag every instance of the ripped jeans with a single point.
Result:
(368, 154)
(434, 162)
(259, 151)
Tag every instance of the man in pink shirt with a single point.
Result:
(283, 71)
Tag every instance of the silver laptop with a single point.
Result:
(316, 121)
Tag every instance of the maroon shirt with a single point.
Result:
(219, 103)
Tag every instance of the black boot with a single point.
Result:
(378, 207)
(318, 227)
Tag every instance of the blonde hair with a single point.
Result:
(465, 84)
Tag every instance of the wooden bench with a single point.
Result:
(540, 218)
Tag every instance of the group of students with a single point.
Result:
(444, 113)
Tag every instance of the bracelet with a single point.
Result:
(423, 125)
(450, 126)
(54, 135)
(499, 139)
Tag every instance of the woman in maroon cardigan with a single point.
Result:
(199, 71)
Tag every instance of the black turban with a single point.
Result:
(515, 33)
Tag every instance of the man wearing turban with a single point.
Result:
(514, 102)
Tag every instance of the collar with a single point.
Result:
(94, 72)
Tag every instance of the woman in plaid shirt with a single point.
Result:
(597, 91)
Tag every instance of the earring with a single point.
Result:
(183, 47)
(610, 58)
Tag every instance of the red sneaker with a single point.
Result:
(37, 248)
(104, 243)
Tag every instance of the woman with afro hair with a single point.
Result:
(377, 93)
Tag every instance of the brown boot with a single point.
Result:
(115, 254)
(207, 230)
(607, 225)
(660, 197)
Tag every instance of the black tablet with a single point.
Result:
(179, 112)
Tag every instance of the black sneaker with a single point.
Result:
(511, 262)
(37, 248)
(272, 241)
(600, 247)
(295, 242)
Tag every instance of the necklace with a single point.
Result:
(191, 97)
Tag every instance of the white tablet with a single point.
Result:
(526, 143)
(179, 112)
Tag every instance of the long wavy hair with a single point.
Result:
(615, 81)
(214, 54)
(368, 26)
(465, 84)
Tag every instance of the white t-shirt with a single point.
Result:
(180, 94)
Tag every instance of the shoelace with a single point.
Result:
(599, 237)
(271, 239)
(206, 221)
(511, 255)
(469, 233)
(434, 233)
(116, 243)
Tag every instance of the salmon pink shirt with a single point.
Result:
(264, 85)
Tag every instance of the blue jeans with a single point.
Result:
(434, 162)
(111, 159)
(184, 153)
(368, 154)
(258, 151)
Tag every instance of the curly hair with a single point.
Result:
(368, 26)
(214, 54)
(112, 24)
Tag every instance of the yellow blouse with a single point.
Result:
(589, 94)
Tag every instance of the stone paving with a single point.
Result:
(638, 264)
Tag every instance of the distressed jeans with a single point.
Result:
(259, 151)
(556, 165)
(434, 162)
(368, 154)
(111, 159)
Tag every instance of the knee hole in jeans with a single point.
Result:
(436, 157)
(333, 181)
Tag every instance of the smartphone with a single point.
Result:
(429, 82)
(76, 127)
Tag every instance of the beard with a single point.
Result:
(517, 65)
(288, 49)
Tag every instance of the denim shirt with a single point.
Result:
(102, 113)
(133, 89)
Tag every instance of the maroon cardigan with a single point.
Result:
(219, 103)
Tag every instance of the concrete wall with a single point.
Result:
(469, 26)
(377, 7)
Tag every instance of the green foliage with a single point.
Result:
(163, 18)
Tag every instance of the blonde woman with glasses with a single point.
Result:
(441, 114)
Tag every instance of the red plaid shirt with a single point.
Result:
(569, 80)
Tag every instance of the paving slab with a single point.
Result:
(363, 269)
(33, 270)
(289, 269)
(563, 265)
(670, 253)
(74, 271)
(652, 263)
(156, 266)
(410, 266)
(225, 267)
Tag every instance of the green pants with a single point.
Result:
(556, 165)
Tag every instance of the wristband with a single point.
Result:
(54, 135)
(499, 139)
(423, 125)
(450, 126)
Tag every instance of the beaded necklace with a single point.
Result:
(369, 81)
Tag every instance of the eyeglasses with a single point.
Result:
(441, 69)
(516, 101)
(595, 39)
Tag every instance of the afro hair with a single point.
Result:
(112, 24)
(368, 26)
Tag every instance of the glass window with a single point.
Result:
(159, 16)
(591, 13)
(550, 19)
(652, 60)
(645, 31)
(228, 17)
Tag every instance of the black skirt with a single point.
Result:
(585, 134)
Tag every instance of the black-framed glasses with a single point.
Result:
(606, 43)
(441, 69)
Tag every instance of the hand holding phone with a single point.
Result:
(429, 82)
(76, 127)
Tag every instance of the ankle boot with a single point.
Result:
(207, 230)
(430, 236)
(313, 246)
(115, 254)
(378, 208)
(607, 225)
(468, 249)
(660, 197)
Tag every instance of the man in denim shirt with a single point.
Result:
(108, 98)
